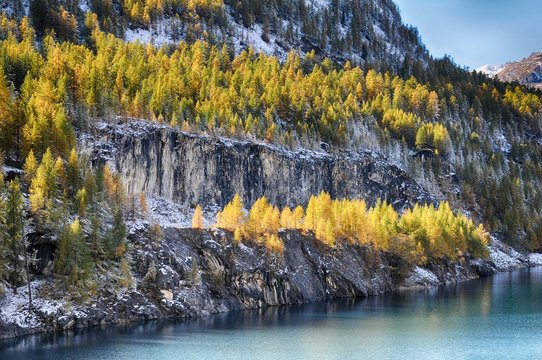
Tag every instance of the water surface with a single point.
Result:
(496, 317)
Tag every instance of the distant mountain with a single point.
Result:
(526, 72)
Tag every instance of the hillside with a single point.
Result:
(261, 120)
(360, 31)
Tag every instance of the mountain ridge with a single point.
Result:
(527, 71)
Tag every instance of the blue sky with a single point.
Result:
(477, 32)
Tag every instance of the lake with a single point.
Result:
(495, 317)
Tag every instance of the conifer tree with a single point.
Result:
(7, 116)
(197, 219)
(73, 173)
(14, 240)
(232, 217)
(43, 185)
(118, 234)
(143, 207)
(73, 260)
(30, 167)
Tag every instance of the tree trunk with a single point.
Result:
(26, 268)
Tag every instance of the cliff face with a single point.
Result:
(193, 169)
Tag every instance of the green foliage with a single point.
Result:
(12, 244)
(73, 260)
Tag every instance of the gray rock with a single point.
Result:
(195, 169)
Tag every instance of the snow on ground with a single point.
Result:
(84, 6)
(158, 35)
(318, 4)
(500, 143)
(505, 258)
(6, 6)
(10, 169)
(14, 307)
(535, 259)
(421, 276)
(244, 37)
(168, 214)
(490, 70)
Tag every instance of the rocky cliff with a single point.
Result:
(188, 273)
(184, 273)
(193, 169)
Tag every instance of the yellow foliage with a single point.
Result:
(143, 207)
(286, 218)
(232, 217)
(419, 233)
(297, 217)
(274, 243)
(197, 219)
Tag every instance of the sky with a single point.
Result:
(477, 32)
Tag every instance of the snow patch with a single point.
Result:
(421, 276)
(14, 307)
(535, 259)
(505, 258)
(490, 70)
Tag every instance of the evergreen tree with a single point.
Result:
(14, 240)
(73, 260)
(118, 235)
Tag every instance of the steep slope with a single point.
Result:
(490, 70)
(361, 31)
(444, 135)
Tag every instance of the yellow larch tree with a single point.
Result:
(232, 217)
(197, 219)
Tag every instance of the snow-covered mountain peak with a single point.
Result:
(490, 70)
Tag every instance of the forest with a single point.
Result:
(60, 76)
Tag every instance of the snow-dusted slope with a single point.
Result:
(490, 70)
(347, 30)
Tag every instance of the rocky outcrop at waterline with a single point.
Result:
(189, 273)
(195, 169)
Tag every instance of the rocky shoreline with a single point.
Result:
(192, 273)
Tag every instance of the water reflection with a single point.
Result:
(481, 318)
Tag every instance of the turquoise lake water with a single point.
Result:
(492, 318)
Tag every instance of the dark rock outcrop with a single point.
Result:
(191, 273)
